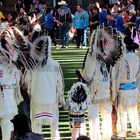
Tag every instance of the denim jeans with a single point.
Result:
(85, 38)
(50, 32)
(63, 30)
(80, 37)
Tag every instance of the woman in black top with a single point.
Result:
(94, 21)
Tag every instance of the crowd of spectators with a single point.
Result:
(123, 15)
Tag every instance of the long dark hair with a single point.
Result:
(22, 125)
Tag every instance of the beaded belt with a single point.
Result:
(128, 86)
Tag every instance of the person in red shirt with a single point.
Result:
(10, 20)
(126, 16)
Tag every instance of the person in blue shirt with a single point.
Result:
(113, 14)
(80, 22)
(49, 24)
(138, 19)
(103, 16)
(120, 22)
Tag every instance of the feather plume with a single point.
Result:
(107, 45)
(39, 49)
(23, 53)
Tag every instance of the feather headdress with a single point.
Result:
(107, 45)
(25, 54)
(11, 39)
(40, 50)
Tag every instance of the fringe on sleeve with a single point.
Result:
(17, 93)
(113, 85)
(60, 87)
(90, 67)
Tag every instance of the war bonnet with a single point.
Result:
(107, 45)
(24, 53)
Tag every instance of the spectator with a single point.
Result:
(36, 4)
(137, 37)
(90, 10)
(49, 24)
(27, 5)
(64, 16)
(114, 13)
(106, 2)
(11, 20)
(42, 7)
(31, 8)
(136, 3)
(138, 19)
(37, 13)
(43, 13)
(103, 15)
(115, 8)
(22, 20)
(130, 5)
(1, 2)
(132, 21)
(80, 22)
(94, 21)
(39, 17)
(126, 16)
(19, 5)
(85, 34)
(112, 2)
(4, 24)
(1, 15)
(22, 129)
(120, 22)
(123, 5)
